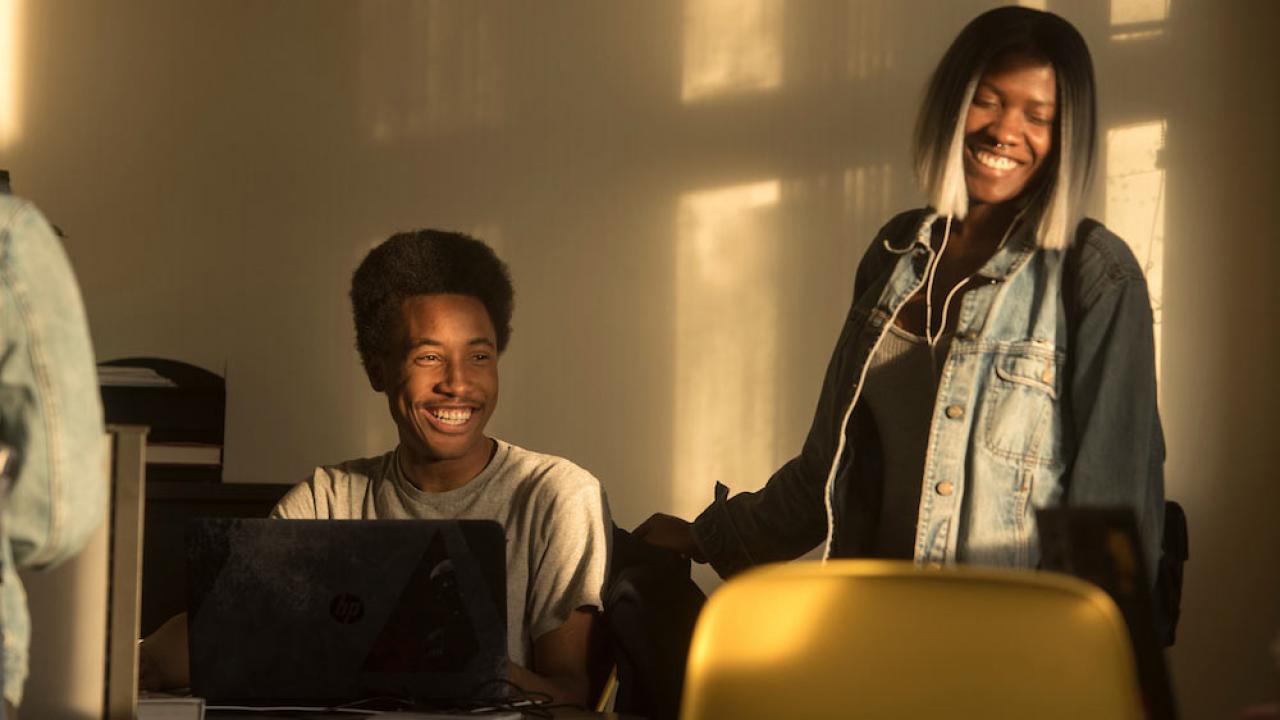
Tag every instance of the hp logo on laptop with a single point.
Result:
(346, 608)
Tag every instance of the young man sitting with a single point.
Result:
(432, 314)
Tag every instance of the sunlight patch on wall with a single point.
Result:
(1130, 12)
(1138, 19)
(1034, 4)
(1135, 203)
(427, 68)
(867, 40)
(731, 46)
(10, 66)
(726, 340)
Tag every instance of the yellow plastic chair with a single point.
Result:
(880, 639)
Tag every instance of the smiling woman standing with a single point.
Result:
(998, 356)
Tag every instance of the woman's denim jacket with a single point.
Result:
(1029, 413)
(50, 414)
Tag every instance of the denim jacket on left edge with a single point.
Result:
(1013, 427)
(50, 413)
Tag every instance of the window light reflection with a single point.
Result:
(9, 71)
(726, 340)
(1135, 202)
(1130, 12)
(1138, 19)
(731, 46)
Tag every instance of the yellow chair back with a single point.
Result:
(881, 639)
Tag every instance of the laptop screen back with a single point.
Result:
(323, 612)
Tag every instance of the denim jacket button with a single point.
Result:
(955, 412)
(945, 488)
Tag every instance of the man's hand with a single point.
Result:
(561, 661)
(163, 663)
(671, 533)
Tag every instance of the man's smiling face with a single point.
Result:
(440, 375)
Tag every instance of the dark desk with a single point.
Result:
(559, 714)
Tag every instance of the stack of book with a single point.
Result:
(183, 405)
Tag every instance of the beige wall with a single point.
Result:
(682, 190)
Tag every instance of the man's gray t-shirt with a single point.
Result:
(554, 513)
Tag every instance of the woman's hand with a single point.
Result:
(672, 533)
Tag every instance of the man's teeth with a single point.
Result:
(452, 416)
(993, 161)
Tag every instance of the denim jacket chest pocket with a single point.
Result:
(1020, 420)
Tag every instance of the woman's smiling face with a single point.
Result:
(1008, 130)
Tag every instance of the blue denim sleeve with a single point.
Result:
(50, 407)
(1119, 457)
(50, 414)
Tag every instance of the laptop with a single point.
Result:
(1101, 546)
(330, 612)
